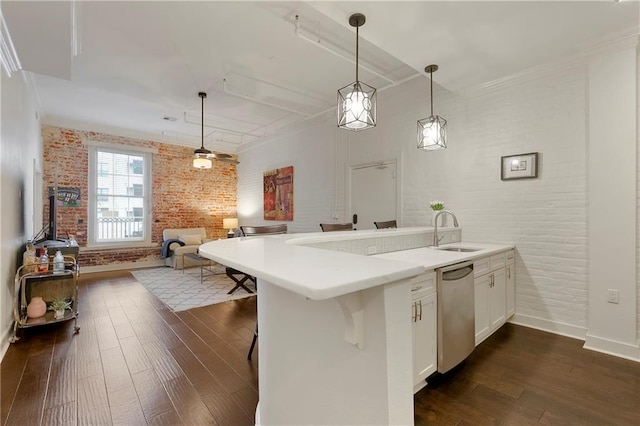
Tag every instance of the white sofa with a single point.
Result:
(192, 238)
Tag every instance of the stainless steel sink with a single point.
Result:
(458, 249)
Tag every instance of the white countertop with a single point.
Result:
(434, 257)
(322, 274)
(314, 273)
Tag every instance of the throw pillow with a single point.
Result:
(190, 239)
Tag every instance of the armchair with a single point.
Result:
(179, 241)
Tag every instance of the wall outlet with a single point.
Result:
(613, 295)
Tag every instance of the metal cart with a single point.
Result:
(49, 285)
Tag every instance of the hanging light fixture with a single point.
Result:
(357, 101)
(201, 156)
(432, 131)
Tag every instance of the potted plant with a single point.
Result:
(58, 305)
(437, 206)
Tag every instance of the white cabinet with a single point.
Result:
(481, 294)
(424, 315)
(511, 283)
(490, 289)
(498, 299)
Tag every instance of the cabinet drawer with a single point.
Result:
(488, 264)
(511, 257)
(423, 285)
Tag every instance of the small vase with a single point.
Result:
(36, 308)
(59, 314)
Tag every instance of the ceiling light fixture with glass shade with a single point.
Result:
(432, 131)
(202, 158)
(357, 101)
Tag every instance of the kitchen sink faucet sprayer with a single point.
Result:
(435, 225)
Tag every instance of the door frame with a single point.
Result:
(353, 167)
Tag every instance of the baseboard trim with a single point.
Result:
(613, 347)
(121, 266)
(6, 339)
(555, 327)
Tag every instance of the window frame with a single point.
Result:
(94, 169)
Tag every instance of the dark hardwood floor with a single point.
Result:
(135, 362)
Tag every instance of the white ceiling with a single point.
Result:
(141, 61)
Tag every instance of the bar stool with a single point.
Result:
(256, 231)
(326, 227)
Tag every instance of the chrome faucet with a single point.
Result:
(435, 225)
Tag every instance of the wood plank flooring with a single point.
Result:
(136, 362)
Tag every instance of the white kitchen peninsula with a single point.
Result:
(335, 339)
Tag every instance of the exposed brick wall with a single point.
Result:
(183, 197)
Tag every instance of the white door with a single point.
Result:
(374, 188)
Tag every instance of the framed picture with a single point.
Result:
(278, 194)
(522, 166)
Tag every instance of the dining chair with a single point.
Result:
(239, 277)
(386, 224)
(326, 227)
(258, 231)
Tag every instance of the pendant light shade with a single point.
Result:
(432, 131)
(357, 101)
(202, 158)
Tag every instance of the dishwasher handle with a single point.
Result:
(456, 272)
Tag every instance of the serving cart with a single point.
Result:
(48, 285)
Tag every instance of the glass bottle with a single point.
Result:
(58, 263)
(43, 264)
(29, 259)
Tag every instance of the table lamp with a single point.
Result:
(231, 224)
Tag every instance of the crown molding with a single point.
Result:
(8, 55)
(628, 38)
(32, 87)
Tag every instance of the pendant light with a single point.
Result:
(201, 156)
(432, 131)
(357, 101)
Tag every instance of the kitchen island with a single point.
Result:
(335, 339)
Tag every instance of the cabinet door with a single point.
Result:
(498, 298)
(511, 290)
(425, 338)
(481, 306)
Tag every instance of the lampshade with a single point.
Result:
(357, 101)
(202, 158)
(230, 223)
(432, 131)
(202, 163)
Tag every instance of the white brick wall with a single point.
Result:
(312, 153)
(545, 217)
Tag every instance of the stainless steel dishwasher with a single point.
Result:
(456, 314)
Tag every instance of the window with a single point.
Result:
(136, 190)
(102, 169)
(137, 167)
(119, 196)
(103, 191)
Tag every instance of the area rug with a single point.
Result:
(181, 289)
